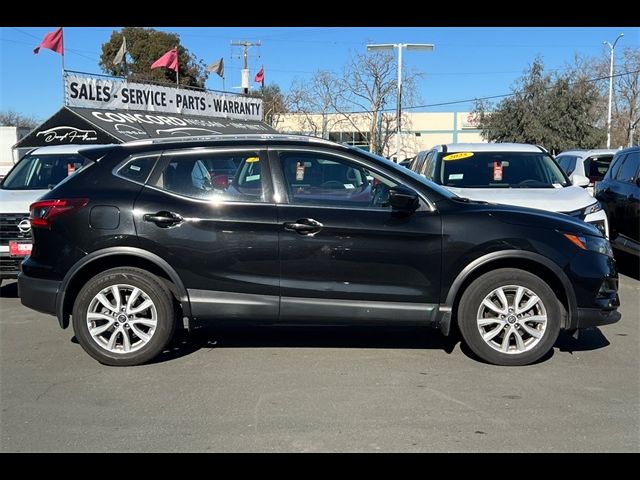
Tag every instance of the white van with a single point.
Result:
(35, 174)
(512, 174)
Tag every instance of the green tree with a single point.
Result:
(558, 112)
(145, 46)
(274, 102)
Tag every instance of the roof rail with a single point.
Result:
(230, 137)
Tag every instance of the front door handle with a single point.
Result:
(304, 226)
(163, 219)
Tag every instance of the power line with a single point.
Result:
(491, 97)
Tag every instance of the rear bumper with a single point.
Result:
(593, 317)
(38, 294)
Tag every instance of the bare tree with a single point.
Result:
(11, 118)
(362, 100)
(626, 91)
(370, 87)
(316, 101)
(628, 97)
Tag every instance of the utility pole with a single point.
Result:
(245, 56)
(611, 47)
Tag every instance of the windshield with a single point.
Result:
(40, 172)
(499, 170)
(407, 172)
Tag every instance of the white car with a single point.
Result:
(35, 174)
(512, 174)
(592, 164)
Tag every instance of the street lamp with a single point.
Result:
(611, 47)
(409, 46)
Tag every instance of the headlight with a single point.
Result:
(593, 208)
(588, 242)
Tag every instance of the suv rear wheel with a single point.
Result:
(509, 317)
(124, 316)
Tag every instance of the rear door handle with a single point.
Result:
(163, 219)
(304, 226)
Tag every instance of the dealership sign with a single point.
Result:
(107, 93)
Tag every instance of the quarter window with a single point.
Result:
(138, 168)
(318, 179)
(233, 176)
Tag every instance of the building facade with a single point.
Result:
(420, 130)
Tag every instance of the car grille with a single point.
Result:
(9, 227)
(10, 265)
(579, 214)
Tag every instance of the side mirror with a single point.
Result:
(580, 181)
(403, 199)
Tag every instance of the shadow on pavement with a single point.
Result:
(588, 339)
(628, 264)
(210, 337)
(306, 337)
(9, 289)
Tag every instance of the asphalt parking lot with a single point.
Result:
(318, 390)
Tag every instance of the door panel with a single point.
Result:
(225, 251)
(364, 263)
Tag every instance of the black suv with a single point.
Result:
(141, 240)
(619, 193)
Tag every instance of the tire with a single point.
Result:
(485, 332)
(148, 331)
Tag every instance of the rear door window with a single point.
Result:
(233, 176)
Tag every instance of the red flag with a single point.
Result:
(169, 60)
(260, 76)
(52, 41)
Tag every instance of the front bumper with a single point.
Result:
(38, 294)
(593, 317)
(9, 266)
(595, 284)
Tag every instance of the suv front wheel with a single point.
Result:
(124, 316)
(509, 317)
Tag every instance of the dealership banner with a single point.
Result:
(108, 93)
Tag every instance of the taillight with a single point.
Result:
(41, 213)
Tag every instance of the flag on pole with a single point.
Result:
(217, 67)
(120, 55)
(52, 41)
(260, 76)
(169, 60)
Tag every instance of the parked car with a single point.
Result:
(592, 164)
(35, 174)
(619, 193)
(308, 232)
(512, 174)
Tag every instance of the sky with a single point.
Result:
(467, 62)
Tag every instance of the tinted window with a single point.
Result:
(567, 163)
(500, 169)
(318, 179)
(629, 169)
(618, 160)
(39, 172)
(596, 167)
(428, 163)
(214, 176)
(137, 169)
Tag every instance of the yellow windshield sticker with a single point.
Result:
(458, 156)
(252, 159)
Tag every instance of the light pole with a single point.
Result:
(409, 46)
(611, 47)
